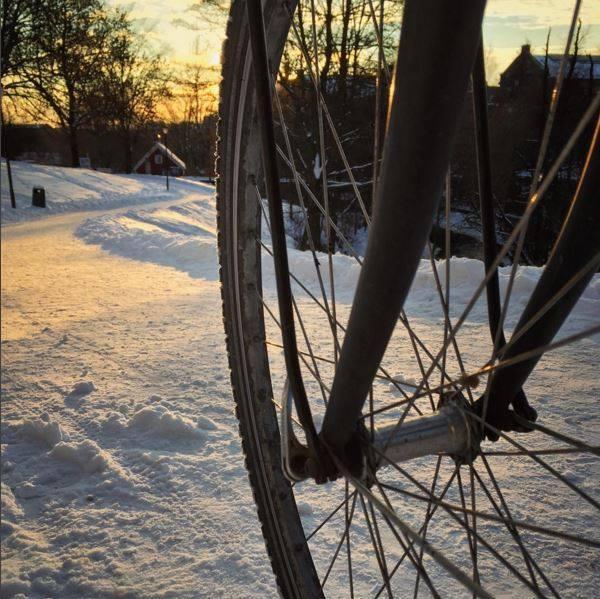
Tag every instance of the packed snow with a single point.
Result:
(122, 472)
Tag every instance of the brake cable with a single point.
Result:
(263, 87)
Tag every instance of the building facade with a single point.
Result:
(159, 160)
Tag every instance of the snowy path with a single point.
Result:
(136, 488)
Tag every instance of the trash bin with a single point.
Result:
(38, 198)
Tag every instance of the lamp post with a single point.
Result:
(165, 155)
(165, 132)
(11, 188)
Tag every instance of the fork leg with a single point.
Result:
(577, 246)
(438, 43)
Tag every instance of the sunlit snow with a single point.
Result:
(121, 466)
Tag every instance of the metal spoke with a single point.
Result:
(554, 101)
(426, 523)
(403, 319)
(380, 107)
(310, 237)
(470, 537)
(447, 325)
(300, 320)
(323, 173)
(465, 525)
(321, 209)
(377, 549)
(407, 546)
(487, 369)
(592, 265)
(348, 550)
(540, 350)
(331, 515)
(550, 451)
(446, 295)
(508, 293)
(539, 461)
(339, 325)
(403, 539)
(534, 186)
(324, 388)
(494, 518)
(560, 436)
(423, 527)
(513, 526)
(533, 204)
(340, 543)
(379, 541)
(414, 397)
(379, 34)
(390, 515)
(315, 78)
(474, 523)
(384, 377)
(421, 367)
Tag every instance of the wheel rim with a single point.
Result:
(505, 548)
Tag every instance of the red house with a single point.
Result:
(156, 161)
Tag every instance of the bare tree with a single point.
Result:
(16, 20)
(65, 49)
(16, 17)
(349, 60)
(131, 85)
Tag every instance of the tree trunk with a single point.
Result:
(328, 54)
(11, 188)
(74, 146)
(128, 152)
(314, 225)
(344, 58)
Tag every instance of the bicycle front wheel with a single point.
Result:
(501, 520)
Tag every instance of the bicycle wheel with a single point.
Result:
(495, 519)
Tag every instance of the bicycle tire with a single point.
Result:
(238, 159)
(276, 508)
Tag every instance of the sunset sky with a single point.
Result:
(504, 32)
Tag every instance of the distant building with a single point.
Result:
(156, 161)
(530, 73)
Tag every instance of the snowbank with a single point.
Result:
(181, 236)
(466, 275)
(74, 189)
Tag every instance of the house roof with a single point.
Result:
(163, 149)
(582, 67)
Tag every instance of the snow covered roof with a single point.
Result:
(583, 64)
(163, 150)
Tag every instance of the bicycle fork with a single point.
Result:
(438, 46)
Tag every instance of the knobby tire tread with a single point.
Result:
(289, 584)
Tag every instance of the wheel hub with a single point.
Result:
(448, 431)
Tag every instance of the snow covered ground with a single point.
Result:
(70, 190)
(121, 467)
